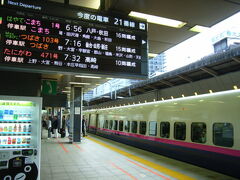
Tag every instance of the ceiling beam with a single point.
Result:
(185, 78)
(209, 71)
(166, 82)
(236, 59)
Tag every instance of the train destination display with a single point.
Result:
(93, 43)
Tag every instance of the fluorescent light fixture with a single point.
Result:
(152, 55)
(66, 91)
(158, 20)
(198, 28)
(79, 83)
(93, 4)
(91, 77)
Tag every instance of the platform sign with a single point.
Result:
(50, 37)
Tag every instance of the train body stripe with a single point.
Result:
(215, 149)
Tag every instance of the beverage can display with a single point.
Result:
(19, 128)
(24, 128)
(29, 128)
(9, 140)
(28, 140)
(24, 140)
(10, 128)
(19, 140)
(13, 140)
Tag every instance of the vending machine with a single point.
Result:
(20, 137)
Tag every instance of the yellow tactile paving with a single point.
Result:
(158, 167)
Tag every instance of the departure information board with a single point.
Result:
(78, 42)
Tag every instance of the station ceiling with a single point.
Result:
(160, 38)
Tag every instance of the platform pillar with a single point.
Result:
(76, 112)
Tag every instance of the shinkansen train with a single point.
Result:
(203, 130)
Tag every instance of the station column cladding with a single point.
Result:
(76, 113)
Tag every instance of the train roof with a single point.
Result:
(201, 97)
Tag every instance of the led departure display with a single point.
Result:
(92, 43)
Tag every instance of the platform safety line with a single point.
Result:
(158, 167)
(78, 147)
(63, 147)
(125, 172)
(164, 177)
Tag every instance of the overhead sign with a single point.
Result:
(49, 87)
(84, 42)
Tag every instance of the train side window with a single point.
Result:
(127, 126)
(115, 125)
(134, 127)
(198, 132)
(106, 124)
(120, 125)
(223, 134)
(152, 128)
(165, 129)
(180, 130)
(111, 124)
(143, 127)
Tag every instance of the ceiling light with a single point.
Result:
(66, 91)
(198, 28)
(79, 83)
(152, 55)
(92, 77)
(158, 20)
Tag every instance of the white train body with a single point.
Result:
(205, 125)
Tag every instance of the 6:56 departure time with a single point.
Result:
(72, 57)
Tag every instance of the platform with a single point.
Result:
(103, 159)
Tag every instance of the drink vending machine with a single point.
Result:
(20, 137)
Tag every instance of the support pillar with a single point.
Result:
(76, 113)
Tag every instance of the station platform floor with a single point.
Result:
(98, 158)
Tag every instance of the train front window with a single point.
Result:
(152, 128)
(127, 126)
(198, 132)
(143, 127)
(120, 125)
(223, 134)
(134, 127)
(180, 130)
(164, 129)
